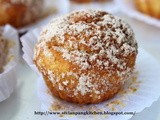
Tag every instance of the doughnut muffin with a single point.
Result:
(3, 52)
(86, 56)
(149, 7)
(19, 13)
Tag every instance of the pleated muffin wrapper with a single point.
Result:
(128, 7)
(139, 92)
(8, 76)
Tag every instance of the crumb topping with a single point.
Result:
(90, 39)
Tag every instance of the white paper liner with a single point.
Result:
(109, 6)
(147, 84)
(8, 76)
(128, 7)
(60, 6)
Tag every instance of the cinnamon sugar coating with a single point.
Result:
(86, 56)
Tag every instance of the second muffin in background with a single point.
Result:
(149, 7)
(19, 13)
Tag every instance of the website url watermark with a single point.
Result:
(46, 113)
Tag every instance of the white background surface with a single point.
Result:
(24, 101)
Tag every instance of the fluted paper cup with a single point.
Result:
(8, 76)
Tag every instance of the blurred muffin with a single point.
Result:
(87, 1)
(3, 52)
(149, 7)
(19, 13)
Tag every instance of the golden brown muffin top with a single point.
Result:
(92, 33)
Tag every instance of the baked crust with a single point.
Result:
(86, 56)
